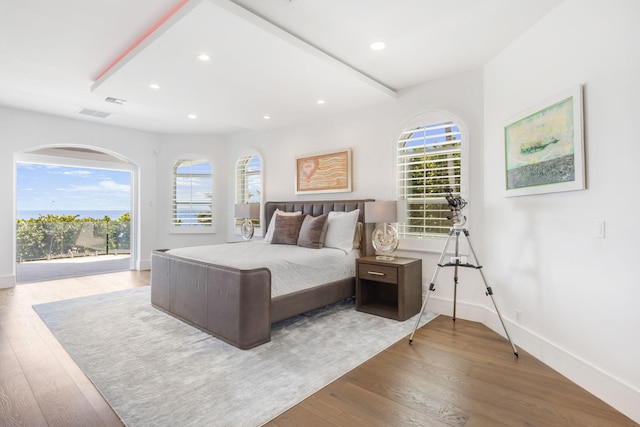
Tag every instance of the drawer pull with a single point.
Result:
(375, 273)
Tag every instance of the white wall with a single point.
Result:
(21, 131)
(578, 294)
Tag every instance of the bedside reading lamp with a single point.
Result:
(385, 236)
(248, 211)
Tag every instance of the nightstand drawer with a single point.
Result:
(379, 273)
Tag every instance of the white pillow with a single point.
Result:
(341, 230)
(272, 224)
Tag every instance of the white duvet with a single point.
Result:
(293, 268)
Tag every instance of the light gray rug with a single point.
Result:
(155, 370)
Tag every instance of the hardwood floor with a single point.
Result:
(454, 374)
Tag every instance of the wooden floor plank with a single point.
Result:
(401, 385)
(303, 417)
(18, 406)
(9, 366)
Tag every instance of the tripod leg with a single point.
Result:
(455, 274)
(432, 285)
(490, 292)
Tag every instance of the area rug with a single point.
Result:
(155, 370)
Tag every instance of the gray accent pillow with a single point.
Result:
(312, 231)
(287, 228)
(272, 223)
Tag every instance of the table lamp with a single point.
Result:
(385, 236)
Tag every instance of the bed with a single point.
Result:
(234, 300)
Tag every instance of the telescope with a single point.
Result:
(456, 204)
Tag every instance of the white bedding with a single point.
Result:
(293, 268)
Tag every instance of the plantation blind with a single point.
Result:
(428, 166)
(192, 193)
(249, 183)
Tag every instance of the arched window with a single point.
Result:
(429, 165)
(192, 193)
(249, 184)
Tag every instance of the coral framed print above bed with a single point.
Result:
(328, 172)
(544, 147)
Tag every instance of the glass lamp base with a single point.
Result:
(385, 241)
(246, 229)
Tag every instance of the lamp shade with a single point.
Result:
(379, 212)
(247, 210)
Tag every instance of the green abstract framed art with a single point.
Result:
(544, 147)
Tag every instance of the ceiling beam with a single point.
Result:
(262, 22)
(156, 30)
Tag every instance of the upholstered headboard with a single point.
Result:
(320, 207)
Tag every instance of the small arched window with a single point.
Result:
(429, 165)
(249, 184)
(192, 193)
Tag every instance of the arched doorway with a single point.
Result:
(84, 217)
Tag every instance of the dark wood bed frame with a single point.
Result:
(236, 305)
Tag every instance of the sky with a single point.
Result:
(49, 188)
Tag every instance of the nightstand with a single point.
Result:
(389, 288)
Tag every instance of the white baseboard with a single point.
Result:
(7, 281)
(144, 264)
(607, 388)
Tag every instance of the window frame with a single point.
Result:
(430, 242)
(202, 228)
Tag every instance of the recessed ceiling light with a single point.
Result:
(377, 45)
(154, 86)
(204, 57)
(266, 117)
(321, 101)
(192, 116)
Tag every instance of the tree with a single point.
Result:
(53, 236)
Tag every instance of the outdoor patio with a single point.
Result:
(41, 271)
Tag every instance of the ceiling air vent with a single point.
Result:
(113, 100)
(93, 113)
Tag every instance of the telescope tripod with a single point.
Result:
(456, 262)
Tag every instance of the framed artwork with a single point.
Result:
(544, 147)
(324, 172)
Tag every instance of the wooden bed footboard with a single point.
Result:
(231, 304)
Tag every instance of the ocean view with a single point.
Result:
(97, 214)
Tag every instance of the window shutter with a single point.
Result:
(192, 193)
(249, 183)
(428, 166)
(242, 180)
